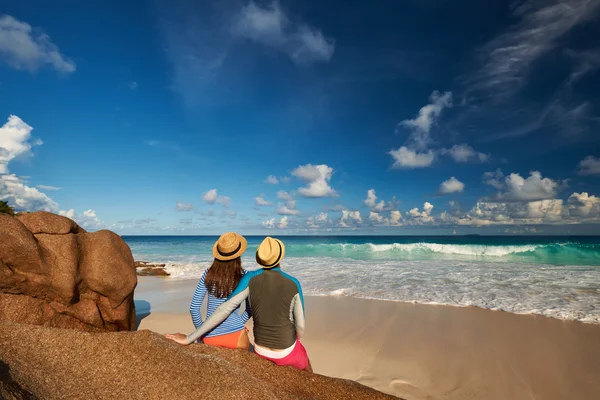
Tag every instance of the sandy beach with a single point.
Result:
(422, 351)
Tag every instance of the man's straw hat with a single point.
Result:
(270, 252)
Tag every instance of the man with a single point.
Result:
(277, 306)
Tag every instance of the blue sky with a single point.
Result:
(414, 117)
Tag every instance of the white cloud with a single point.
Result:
(183, 207)
(14, 141)
(14, 137)
(210, 197)
(22, 48)
(494, 179)
(583, 205)
(283, 222)
(451, 185)
(260, 200)
(375, 217)
(350, 218)
(271, 179)
(407, 158)
(269, 223)
(394, 220)
(508, 58)
(421, 217)
(463, 153)
(317, 177)
(271, 27)
(283, 195)
(421, 126)
(371, 202)
(23, 197)
(317, 221)
(535, 187)
(589, 166)
(289, 208)
(50, 188)
(87, 220)
(224, 201)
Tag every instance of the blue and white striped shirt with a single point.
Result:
(235, 322)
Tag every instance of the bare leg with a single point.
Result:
(308, 368)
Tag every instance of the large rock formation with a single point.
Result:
(54, 273)
(46, 363)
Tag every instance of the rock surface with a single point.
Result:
(144, 268)
(54, 273)
(145, 365)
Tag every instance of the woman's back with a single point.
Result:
(233, 323)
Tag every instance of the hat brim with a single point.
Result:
(238, 253)
(258, 260)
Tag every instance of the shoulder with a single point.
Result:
(291, 278)
(245, 281)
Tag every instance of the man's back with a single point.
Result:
(273, 298)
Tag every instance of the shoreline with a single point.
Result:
(189, 282)
(419, 351)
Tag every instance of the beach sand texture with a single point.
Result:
(419, 351)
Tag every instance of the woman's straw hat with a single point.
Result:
(270, 252)
(229, 246)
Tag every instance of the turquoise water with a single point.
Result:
(554, 276)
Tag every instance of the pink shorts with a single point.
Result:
(298, 358)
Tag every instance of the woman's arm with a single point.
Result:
(240, 294)
(197, 300)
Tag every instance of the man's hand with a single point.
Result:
(178, 338)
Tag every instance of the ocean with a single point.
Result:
(553, 276)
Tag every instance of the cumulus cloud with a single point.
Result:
(287, 208)
(283, 222)
(394, 219)
(22, 48)
(375, 217)
(374, 205)
(350, 218)
(88, 220)
(23, 197)
(318, 220)
(451, 185)
(271, 179)
(271, 26)
(428, 115)
(463, 153)
(269, 223)
(317, 177)
(262, 202)
(285, 196)
(183, 207)
(14, 141)
(224, 201)
(507, 59)
(516, 188)
(421, 217)
(210, 197)
(589, 166)
(407, 158)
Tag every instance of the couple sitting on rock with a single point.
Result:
(273, 298)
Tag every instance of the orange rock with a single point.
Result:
(54, 273)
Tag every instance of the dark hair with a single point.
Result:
(223, 276)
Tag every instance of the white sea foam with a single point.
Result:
(560, 291)
(456, 249)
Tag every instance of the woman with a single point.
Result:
(219, 281)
